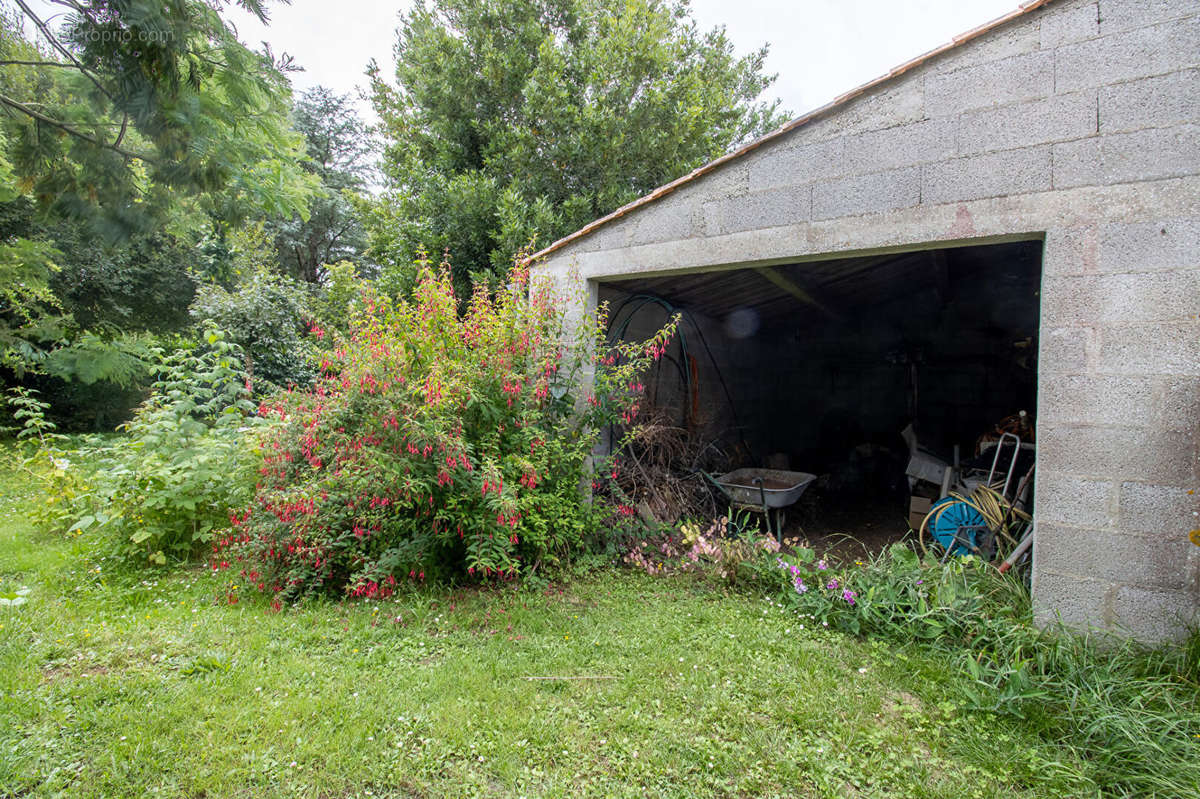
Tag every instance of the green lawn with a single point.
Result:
(111, 687)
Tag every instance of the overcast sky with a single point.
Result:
(819, 48)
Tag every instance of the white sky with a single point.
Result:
(819, 48)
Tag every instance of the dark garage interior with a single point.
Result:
(820, 367)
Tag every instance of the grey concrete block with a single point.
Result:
(612, 236)
(1149, 349)
(864, 194)
(1124, 453)
(763, 209)
(1142, 155)
(728, 180)
(1128, 55)
(1009, 80)
(901, 146)
(1149, 246)
(1180, 405)
(1049, 119)
(1064, 350)
(1121, 15)
(1097, 399)
(1122, 297)
(1075, 501)
(1154, 615)
(1157, 102)
(1004, 42)
(1114, 557)
(1077, 602)
(1151, 154)
(674, 217)
(1070, 251)
(1068, 22)
(898, 102)
(992, 175)
(1156, 510)
(798, 163)
(1078, 163)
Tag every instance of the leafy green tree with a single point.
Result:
(516, 119)
(125, 132)
(30, 314)
(131, 104)
(80, 312)
(264, 314)
(143, 284)
(341, 153)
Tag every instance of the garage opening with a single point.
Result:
(840, 368)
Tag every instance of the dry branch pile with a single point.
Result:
(662, 472)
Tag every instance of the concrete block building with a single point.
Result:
(1011, 221)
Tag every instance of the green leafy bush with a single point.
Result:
(186, 458)
(896, 594)
(264, 314)
(437, 445)
(45, 461)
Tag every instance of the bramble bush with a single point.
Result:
(160, 490)
(438, 445)
(187, 457)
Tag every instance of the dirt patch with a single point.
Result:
(895, 705)
(847, 531)
(54, 673)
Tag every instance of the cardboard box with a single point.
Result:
(918, 507)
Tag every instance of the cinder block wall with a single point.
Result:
(1078, 122)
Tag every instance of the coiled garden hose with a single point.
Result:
(997, 511)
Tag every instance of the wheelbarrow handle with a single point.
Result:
(762, 492)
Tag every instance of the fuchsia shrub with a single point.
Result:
(436, 445)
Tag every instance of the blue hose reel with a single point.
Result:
(958, 527)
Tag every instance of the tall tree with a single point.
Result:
(123, 125)
(341, 156)
(515, 119)
(131, 103)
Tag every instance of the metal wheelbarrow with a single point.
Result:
(763, 491)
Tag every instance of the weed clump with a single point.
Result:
(1129, 712)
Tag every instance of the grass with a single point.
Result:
(119, 686)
